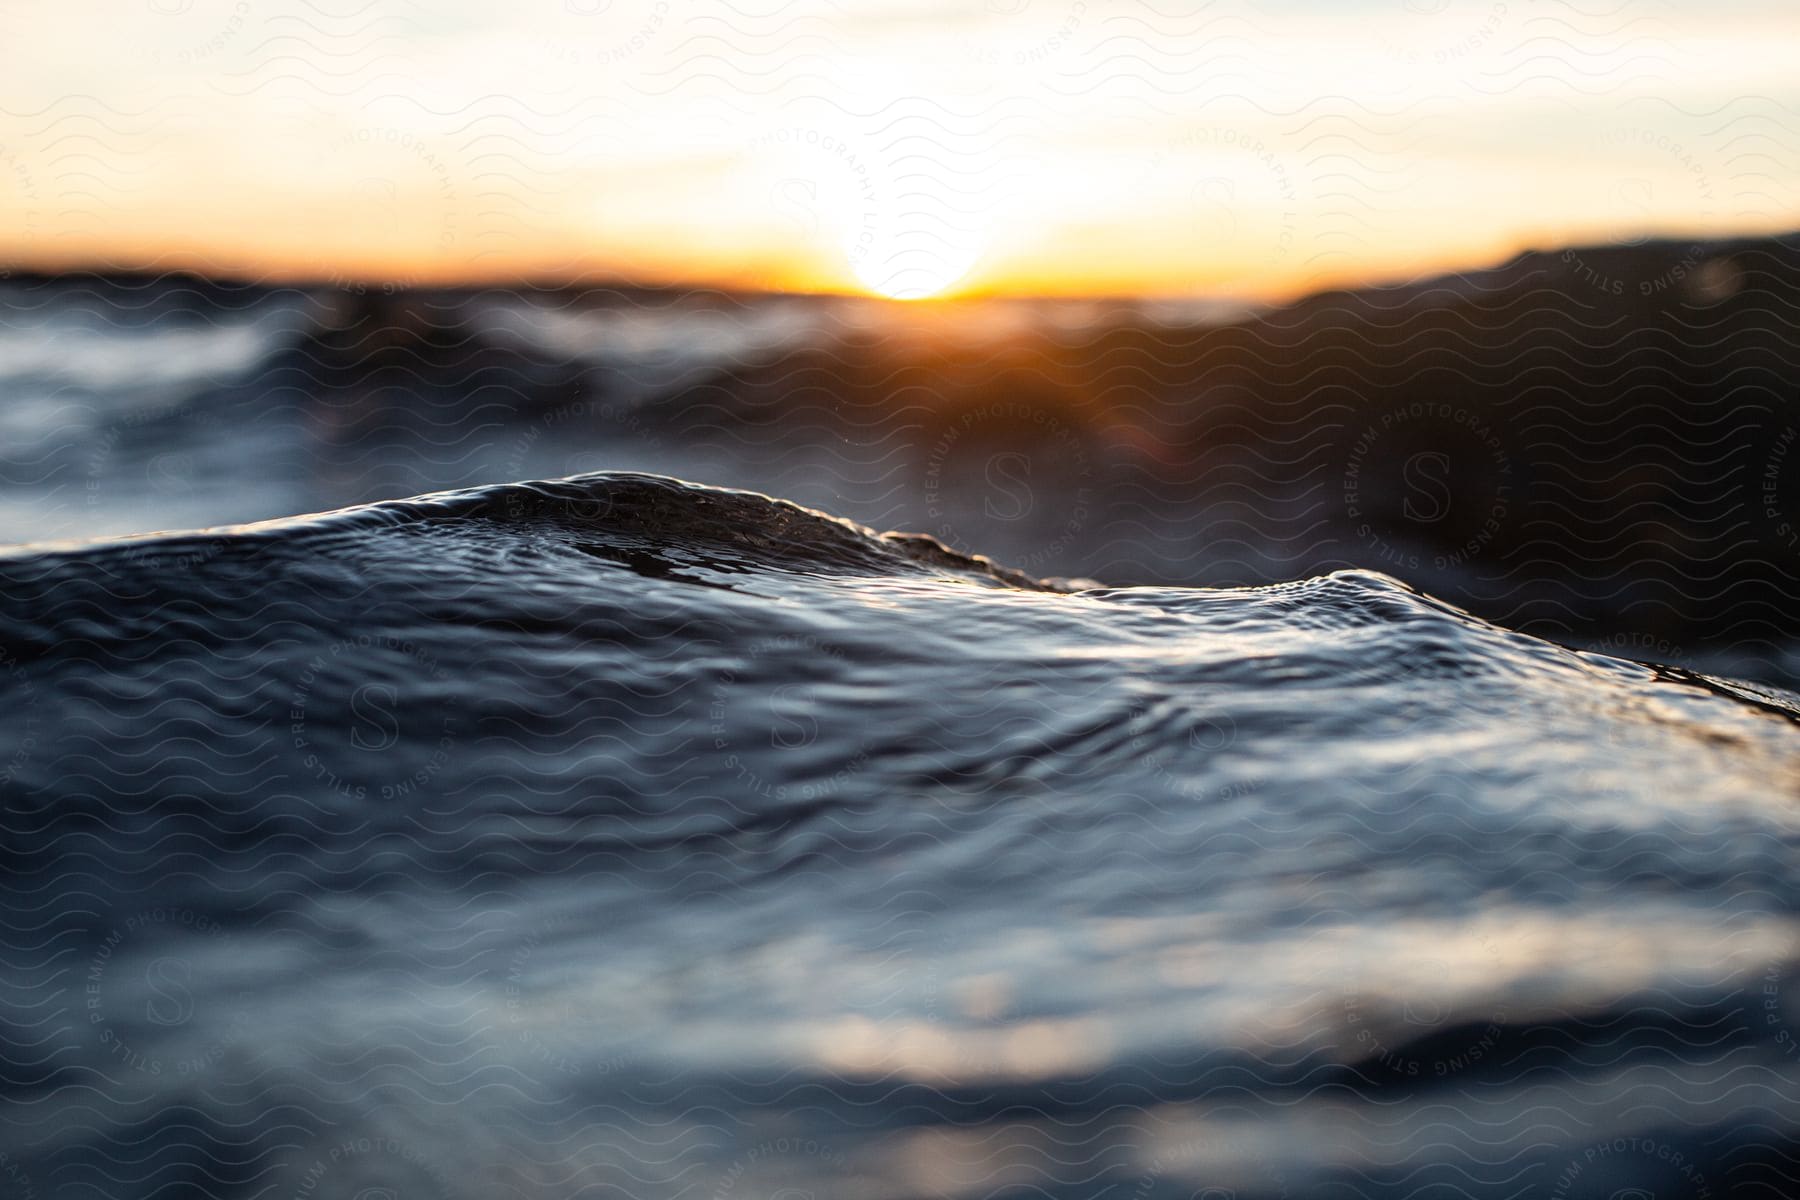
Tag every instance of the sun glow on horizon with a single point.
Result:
(910, 277)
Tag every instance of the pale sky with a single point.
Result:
(1242, 147)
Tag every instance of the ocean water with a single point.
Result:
(618, 836)
(1618, 472)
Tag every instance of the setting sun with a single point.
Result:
(912, 274)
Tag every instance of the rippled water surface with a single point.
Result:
(619, 836)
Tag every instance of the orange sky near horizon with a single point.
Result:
(1253, 149)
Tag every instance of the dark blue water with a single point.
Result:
(616, 836)
(1614, 472)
